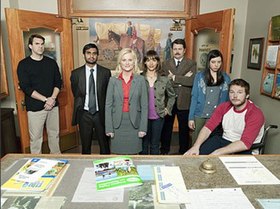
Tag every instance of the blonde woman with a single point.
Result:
(126, 109)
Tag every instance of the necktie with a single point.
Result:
(178, 63)
(92, 101)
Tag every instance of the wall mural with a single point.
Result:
(111, 35)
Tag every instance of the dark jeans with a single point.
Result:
(86, 124)
(184, 137)
(151, 141)
(215, 142)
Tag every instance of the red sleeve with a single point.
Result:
(218, 115)
(254, 121)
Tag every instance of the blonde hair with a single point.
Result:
(123, 52)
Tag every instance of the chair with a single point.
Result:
(261, 144)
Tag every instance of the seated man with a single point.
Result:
(242, 121)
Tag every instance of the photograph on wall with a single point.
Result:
(255, 53)
(113, 34)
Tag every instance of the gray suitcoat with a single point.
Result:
(138, 104)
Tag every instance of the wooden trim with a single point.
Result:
(4, 82)
(65, 9)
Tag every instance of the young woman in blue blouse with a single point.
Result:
(210, 88)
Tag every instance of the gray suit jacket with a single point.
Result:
(182, 84)
(78, 86)
(138, 104)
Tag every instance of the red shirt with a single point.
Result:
(126, 90)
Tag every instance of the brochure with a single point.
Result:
(37, 186)
(170, 185)
(116, 172)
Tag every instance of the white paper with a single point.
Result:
(35, 171)
(271, 56)
(248, 171)
(170, 185)
(228, 198)
(86, 190)
(157, 205)
(3, 200)
(270, 203)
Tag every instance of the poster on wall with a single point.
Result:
(140, 34)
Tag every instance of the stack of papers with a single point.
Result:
(170, 185)
(35, 176)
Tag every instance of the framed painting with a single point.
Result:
(255, 53)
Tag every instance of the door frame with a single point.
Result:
(19, 21)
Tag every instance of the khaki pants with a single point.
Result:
(199, 123)
(36, 123)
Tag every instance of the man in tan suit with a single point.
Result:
(181, 72)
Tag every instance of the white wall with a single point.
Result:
(257, 26)
(251, 21)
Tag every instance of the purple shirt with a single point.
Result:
(152, 109)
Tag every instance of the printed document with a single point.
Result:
(248, 171)
(170, 185)
(36, 170)
(228, 198)
(86, 190)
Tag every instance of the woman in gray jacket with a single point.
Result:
(161, 97)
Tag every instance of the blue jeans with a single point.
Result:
(151, 141)
(215, 142)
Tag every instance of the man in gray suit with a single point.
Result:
(181, 72)
(89, 85)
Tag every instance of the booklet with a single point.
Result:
(116, 172)
(170, 185)
(40, 184)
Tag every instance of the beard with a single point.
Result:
(91, 62)
(239, 103)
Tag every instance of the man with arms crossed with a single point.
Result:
(242, 121)
(40, 80)
(181, 72)
(89, 85)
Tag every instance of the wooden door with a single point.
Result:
(20, 23)
(220, 23)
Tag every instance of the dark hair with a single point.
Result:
(179, 41)
(152, 54)
(209, 80)
(242, 83)
(30, 40)
(89, 46)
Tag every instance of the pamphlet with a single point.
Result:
(40, 184)
(116, 172)
(170, 185)
(271, 55)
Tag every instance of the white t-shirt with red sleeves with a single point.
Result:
(246, 125)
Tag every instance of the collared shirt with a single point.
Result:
(126, 90)
(87, 69)
(176, 61)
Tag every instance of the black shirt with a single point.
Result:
(42, 76)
